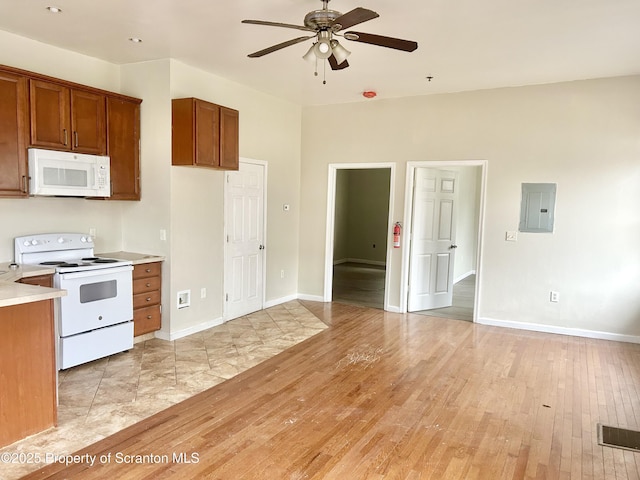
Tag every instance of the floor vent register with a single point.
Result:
(618, 438)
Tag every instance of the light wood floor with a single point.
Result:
(464, 293)
(359, 284)
(382, 395)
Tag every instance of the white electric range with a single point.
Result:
(95, 318)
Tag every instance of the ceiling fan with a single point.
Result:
(326, 25)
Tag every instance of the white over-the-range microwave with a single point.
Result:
(68, 174)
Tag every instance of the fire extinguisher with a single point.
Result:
(397, 229)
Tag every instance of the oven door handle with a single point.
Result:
(96, 272)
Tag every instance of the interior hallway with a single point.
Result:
(362, 284)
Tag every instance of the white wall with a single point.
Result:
(583, 135)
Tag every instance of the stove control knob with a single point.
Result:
(34, 242)
(83, 239)
(89, 239)
(27, 243)
(60, 240)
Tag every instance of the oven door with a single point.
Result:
(95, 299)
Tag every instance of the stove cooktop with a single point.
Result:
(67, 252)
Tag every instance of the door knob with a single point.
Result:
(453, 245)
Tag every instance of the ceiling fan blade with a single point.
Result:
(334, 63)
(354, 17)
(278, 24)
(389, 42)
(279, 46)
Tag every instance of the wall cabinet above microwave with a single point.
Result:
(67, 118)
(44, 112)
(204, 134)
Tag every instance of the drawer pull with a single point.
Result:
(148, 270)
(148, 284)
(149, 317)
(148, 299)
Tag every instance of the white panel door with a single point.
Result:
(244, 216)
(432, 239)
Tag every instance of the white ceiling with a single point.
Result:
(463, 44)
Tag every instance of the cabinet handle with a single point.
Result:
(24, 184)
(149, 317)
(75, 139)
(148, 299)
(66, 137)
(148, 270)
(148, 284)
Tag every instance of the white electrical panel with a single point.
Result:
(537, 208)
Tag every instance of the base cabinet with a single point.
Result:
(147, 288)
(27, 370)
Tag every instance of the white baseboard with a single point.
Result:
(377, 263)
(574, 332)
(279, 301)
(463, 276)
(310, 298)
(189, 331)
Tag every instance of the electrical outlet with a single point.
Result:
(203, 292)
(163, 235)
(92, 232)
(281, 273)
(554, 296)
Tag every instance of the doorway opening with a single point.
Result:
(441, 264)
(358, 226)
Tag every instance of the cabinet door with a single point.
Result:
(123, 138)
(13, 135)
(207, 120)
(88, 122)
(50, 115)
(229, 137)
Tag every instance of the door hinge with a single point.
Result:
(227, 297)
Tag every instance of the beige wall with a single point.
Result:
(269, 131)
(361, 215)
(583, 135)
(43, 215)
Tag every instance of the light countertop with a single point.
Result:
(135, 258)
(12, 293)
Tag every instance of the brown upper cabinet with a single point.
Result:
(123, 146)
(41, 111)
(14, 120)
(67, 118)
(204, 134)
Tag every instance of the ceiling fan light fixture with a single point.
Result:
(310, 55)
(322, 49)
(339, 51)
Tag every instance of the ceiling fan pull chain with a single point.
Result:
(324, 72)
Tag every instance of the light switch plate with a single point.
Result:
(511, 236)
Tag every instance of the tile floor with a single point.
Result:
(102, 397)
